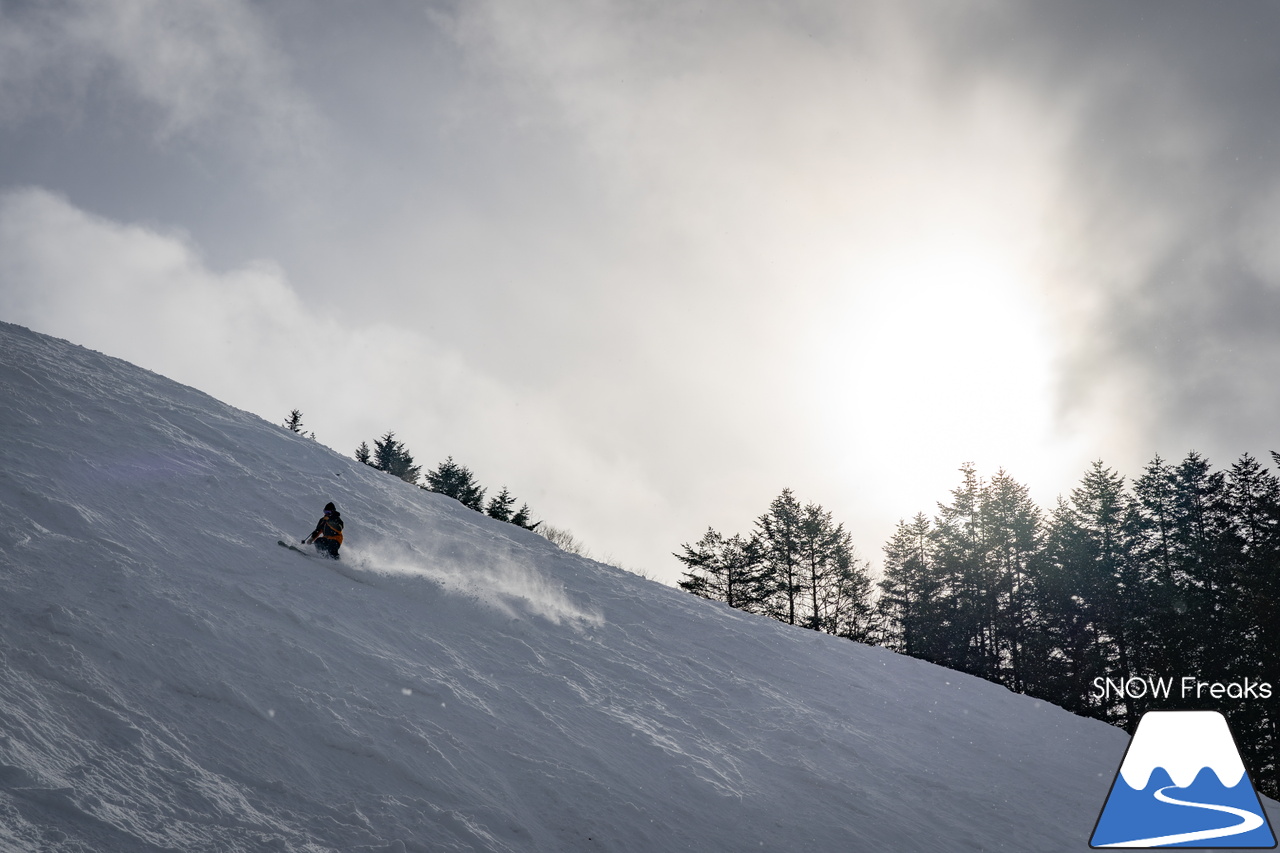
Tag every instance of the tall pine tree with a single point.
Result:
(456, 481)
(845, 599)
(524, 518)
(1013, 531)
(910, 608)
(393, 457)
(779, 536)
(727, 570)
(960, 556)
(499, 505)
(1092, 548)
(1253, 496)
(1155, 549)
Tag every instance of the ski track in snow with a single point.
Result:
(171, 679)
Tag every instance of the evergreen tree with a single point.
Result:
(910, 606)
(1202, 561)
(499, 505)
(1093, 550)
(1012, 529)
(1253, 495)
(799, 567)
(1155, 550)
(845, 600)
(393, 457)
(523, 518)
(837, 584)
(363, 454)
(727, 570)
(702, 566)
(1069, 622)
(779, 536)
(818, 540)
(456, 481)
(293, 423)
(960, 557)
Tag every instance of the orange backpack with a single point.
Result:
(332, 529)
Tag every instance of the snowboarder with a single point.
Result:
(328, 533)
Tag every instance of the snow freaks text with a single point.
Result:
(1186, 687)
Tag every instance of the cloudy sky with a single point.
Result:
(648, 263)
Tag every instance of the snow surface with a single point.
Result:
(1183, 743)
(170, 679)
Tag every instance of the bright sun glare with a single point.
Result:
(944, 359)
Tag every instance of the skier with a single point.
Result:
(328, 533)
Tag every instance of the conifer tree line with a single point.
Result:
(797, 566)
(1175, 574)
(448, 478)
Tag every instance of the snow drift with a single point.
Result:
(170, 679)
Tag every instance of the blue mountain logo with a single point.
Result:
(1182, 784)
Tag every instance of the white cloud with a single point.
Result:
(138, 293)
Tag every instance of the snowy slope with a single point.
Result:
(170, 679)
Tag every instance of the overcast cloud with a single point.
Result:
(649, 263)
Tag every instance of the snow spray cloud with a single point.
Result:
(510, 586)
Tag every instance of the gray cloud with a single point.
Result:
(1170, 282)
(191, 70)
(170, 113)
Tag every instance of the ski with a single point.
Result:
(336, 565)
(284, 544)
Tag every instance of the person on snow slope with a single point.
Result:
(328, 533)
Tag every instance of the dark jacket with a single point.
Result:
(329, 527)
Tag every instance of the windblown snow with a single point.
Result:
(172, 680)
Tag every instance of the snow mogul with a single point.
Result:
(328, 533)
